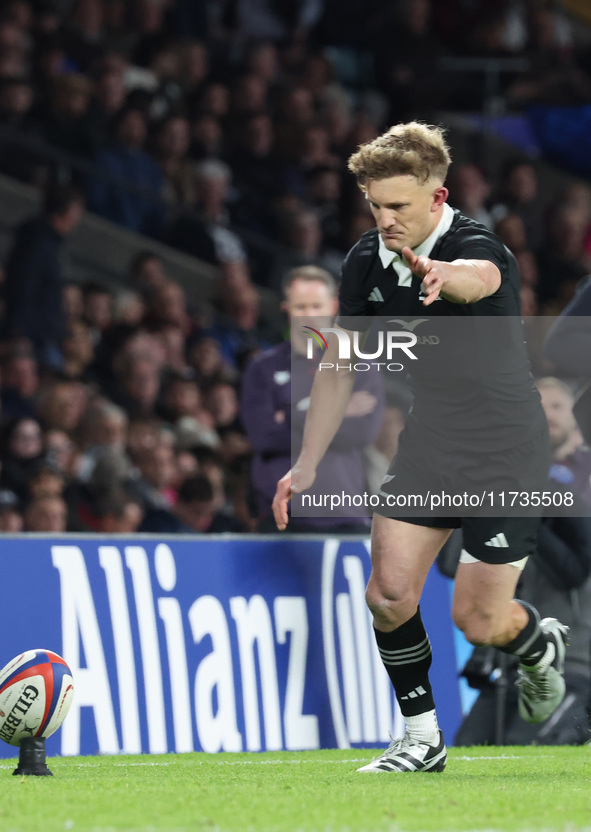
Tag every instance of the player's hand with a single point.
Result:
(295, 481)
(430, 272)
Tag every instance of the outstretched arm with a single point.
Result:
(330, 395)
(461, 281)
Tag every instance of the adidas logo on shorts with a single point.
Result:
(499, 541)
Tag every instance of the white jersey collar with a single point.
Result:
(392, 258)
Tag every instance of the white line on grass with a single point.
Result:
(350, 760)
(148, 763)
(134, 763)
(96, 765)
(286, 762)
(296, 762)
(223, 763)
(497, 757)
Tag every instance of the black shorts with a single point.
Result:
(494, 531)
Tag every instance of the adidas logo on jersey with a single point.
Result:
(499, 541)
(376, 295)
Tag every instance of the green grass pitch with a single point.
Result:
(532, 788)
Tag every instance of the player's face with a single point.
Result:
(406, 211)
(557, 406)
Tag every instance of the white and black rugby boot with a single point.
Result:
(406, 755)
(541, 688)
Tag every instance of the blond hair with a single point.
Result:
(412, 149)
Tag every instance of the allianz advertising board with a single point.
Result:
(213, 643)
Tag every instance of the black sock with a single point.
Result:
(406, 653)
(530, 644)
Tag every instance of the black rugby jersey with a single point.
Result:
(471, 380)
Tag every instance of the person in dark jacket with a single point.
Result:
(33, 283)
(194, 512)
(129, 194)
(571, 457)
(275, 397)
(22, 452)
(557, 582)
(568, 347)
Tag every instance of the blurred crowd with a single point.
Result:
(550, 239)
(222, 127)
(134, 427)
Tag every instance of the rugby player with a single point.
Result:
(475, 420)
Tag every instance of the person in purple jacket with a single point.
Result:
(275, 396)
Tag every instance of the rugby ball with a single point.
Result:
(36, 690)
